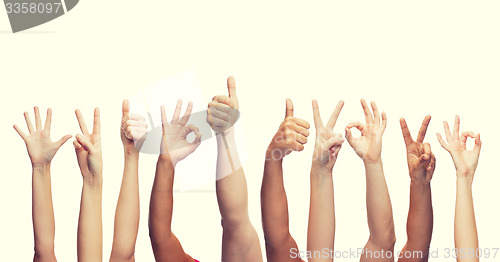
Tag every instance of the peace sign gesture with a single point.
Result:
(421, 161)
(41, 149)
(88, 148)
(369, 145)
(328, 143)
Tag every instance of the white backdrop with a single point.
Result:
(438, 58)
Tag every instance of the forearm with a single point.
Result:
(127, 210)
(89, 240)
(231, 185)
(378, 206)
(43, 214)
(420, 219)
(274, 203)
(161, 203)
(465, 221)
(321, 228)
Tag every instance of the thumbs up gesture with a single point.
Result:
(223, 112)
(133, 128)
(328, 143)
(291, 136)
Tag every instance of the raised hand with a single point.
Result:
(222, 111)
(88, 147)
(328, 143)
(291, 136)
(421, 161)
(174, 145)
(41, 149)
(369, 145)
(465, 160)
(133, 129)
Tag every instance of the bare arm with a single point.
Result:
(174, 148)
(465, 164)
(239, 241)
(133, 128)
(321, 227)
(421, 165)
(41, 151)
(378, 202)
(89, 156)
(291, 136)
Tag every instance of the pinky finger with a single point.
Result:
(477, 142)
(384, 121)
(441, 141)
(21, 133)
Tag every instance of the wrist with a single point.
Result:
(372, 162)
(131, 154)
(166, 161)
(320, 169)
(40, 168)
(93, 181)
(420, 183)
(464, 181)
(274, 154)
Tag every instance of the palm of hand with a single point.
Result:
(416, 169)
(90, 163)
(41, 149)
(465, 160)
(369, 145)
(175, 143)
(322, 149)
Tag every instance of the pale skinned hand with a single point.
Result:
(41, 149)
(369, 145)
(421, 160)
(328, 143)
(222, 111)
(133, 129)
(465, 160)
(88, 148)
(174, 145)
(291, 136)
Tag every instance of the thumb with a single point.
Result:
(63, 140)
(231, 87)
(289, 108)
(424, 158)
(125, 107)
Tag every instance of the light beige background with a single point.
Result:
(427, 57)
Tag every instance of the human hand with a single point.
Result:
(174, 145)
(133, 129)
(222, 111)
(88, 149)
(465, 160)
(328, 143)
(369, 145)
(291, 136)
(41, 149)
(421, 160)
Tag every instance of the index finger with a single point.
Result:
(317, 118)
(81, 122)
(97, 121)
(335, 115)
(406, 132)
(423, 129)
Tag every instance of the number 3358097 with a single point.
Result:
(32, 8)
